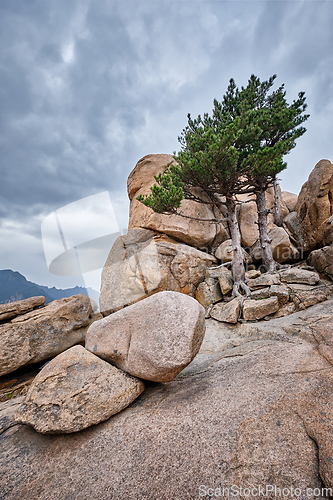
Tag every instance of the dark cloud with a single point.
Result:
(88, 88)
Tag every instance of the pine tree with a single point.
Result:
(236, 150)
(270, 129)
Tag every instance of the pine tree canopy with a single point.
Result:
(238, 148)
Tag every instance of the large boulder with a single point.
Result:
(290, 200)
(193, 232)
(143, 263)
(75, 390)
(253, 408)
(154, 339)
(225, 252)
(248, 215)
(282, 248)
(315, 203)
(44, 333)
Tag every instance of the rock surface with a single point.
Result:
(154, 339)
(254, 407)
(193, 232)
(44, 333)
(18, 307)
(143, 263)
(74, 391)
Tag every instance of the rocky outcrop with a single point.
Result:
(13, 309)
(154, 339)
(253, 408)
(143, 263)
(314, 207)
(193, 232)
(41, 334)
(74, 391)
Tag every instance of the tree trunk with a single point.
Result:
(238, 269)
(277, 215)
(265, 242)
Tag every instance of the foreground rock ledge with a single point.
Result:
(44, 333)
(153, 339)
(76, 390)
(254, 407)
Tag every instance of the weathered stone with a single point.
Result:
(264, 280)
(13, 309)
(227, 312)
(322, 260)
(208, 292)
(285, 310)
(254, 273)
(226, 281)
(273, 386)
(261, 293)
(203, 295)
(193, 232)
(290, 200)
(257, 309)
(315, 203)
(282, 248)
(143, 263)
(225, 252)
(296, 275)
(153, 339)
(74, 391)
(281, 292)
(44, 333)
(305, 296)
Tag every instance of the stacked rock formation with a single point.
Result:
(153, 340)
(162, 252)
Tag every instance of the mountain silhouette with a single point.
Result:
(14, 286)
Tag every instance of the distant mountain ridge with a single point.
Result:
(14, 286)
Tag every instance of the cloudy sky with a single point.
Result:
(90, 87)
